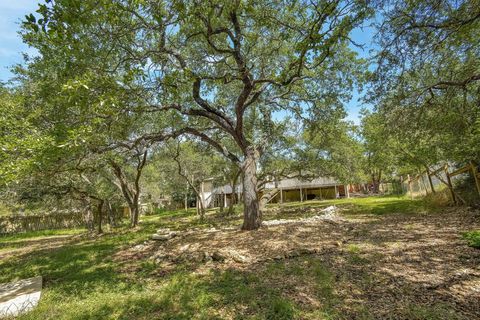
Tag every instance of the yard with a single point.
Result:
(377, 258)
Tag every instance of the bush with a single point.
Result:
(441, 198)
(465, 187)
(473, 238)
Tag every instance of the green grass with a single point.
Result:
(84, 280)
(83, 284)
(378, 205)
(40, 234)
(473, 238)
(437, 311)
(19, 240)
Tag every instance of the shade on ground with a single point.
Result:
(20, 296)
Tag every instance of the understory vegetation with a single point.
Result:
(243, 159)
(85, 276)
(473, 238)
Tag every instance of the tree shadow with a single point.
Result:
(381, 272)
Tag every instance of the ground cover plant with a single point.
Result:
(382, 257)
(242, 159)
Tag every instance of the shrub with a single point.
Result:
(473, 238)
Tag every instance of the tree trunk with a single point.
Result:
(186, 198)
(267, 197)
(376, 178)
(131, 192)
(89, 218)
(100, 215)
(134, 213)
(374, 184)
(201, 207)
(252, 217)
(221, 204)
(430, 179)
(233, 198)
(111, 215)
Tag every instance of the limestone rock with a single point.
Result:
(162, 237)
(164, 234)
(207, 256)
(218, 256)
(239, 258)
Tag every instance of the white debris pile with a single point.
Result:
(190, 253)
(164, 234)
(19, 297)
(330, 213)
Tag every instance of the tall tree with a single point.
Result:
(20, 140)
(214, 63)
(428, 77)
(380, 155)
(194, 165)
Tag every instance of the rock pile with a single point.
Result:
(164, 234)
(228, 255)
(328, 214)
(202, 256)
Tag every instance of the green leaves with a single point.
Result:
(21, 143)
(424, 85)
(30, 18)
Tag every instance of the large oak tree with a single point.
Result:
(211, 65)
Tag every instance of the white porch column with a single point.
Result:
(202, 195)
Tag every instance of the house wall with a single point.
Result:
(317, 189)
(319, 193)
(291, 195)
(207, 194)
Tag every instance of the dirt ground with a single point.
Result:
(380, 263)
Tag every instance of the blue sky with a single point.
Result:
(363, 36)
(12, 47)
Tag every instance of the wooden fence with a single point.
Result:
(444, 175)
(19, 223)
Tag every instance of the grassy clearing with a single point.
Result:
(473, 238)
(437, 311)
(83, 280)
(40, 234)
(21, 240)
(378, 205)
(216, 295)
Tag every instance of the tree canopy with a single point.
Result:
(218, 71)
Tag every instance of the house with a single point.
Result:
(286, 190)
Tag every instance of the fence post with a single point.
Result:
(430, 180)
(420, 176)
(450, 186)
(476, 174)
(410, 186)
